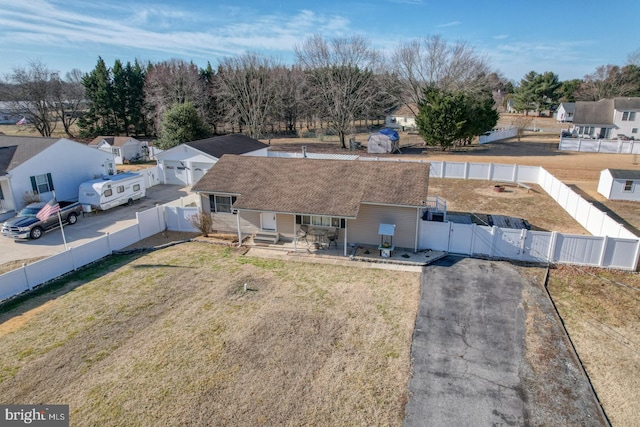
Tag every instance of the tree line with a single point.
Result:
(333, 82)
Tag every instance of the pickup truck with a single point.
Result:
(25, 225)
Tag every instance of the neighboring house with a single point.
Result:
(8, 115)
(565, 112)
(402, 117)
(186, 163)
(124, 148)
(249, 195)
(607, 118)
(31, 165)
(618, 184)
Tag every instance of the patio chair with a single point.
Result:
(332, 237)
(302, 233)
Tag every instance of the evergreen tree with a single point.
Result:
(181, 123)
(116, 100)
(441, 117)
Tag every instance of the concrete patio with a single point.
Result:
(357, 252)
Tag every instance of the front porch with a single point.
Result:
(355, 252)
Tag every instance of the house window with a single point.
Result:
(321, 221)
(634, 130)
(629, 116)
(628, 185)
(120, 189)
(221, 204)
(587, 130)
(42, 183)
(115, 151)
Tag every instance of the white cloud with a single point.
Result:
(449, 24)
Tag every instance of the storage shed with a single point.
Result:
(619, 184)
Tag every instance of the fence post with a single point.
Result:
(514, 177)
(493, 240)
(474, 229)
(26, 276)
(523, 238)
(604, 250)
(442, 170)
(552, 246)
(637, 255)
(490, 171)
(466, 170)
(138, 226)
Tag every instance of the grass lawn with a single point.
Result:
(172, 338)
(601, 311)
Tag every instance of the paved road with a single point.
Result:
(89, 227)
(470, 363)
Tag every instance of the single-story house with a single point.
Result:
(618, 184)
(248, 195)
(565, 112)
(35, 165)
(8, 114)
(607, 118)
(402, 117)
(186, 163)
(124, 148)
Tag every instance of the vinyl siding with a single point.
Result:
(364, 229)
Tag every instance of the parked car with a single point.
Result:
(25, 225)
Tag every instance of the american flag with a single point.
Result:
(22, 121)
(49, 209)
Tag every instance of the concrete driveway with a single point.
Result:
(88, 227)
(475, 351)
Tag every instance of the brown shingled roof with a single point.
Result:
(310, 186)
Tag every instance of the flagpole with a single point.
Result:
(64, 239)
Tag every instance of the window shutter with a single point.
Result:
(50, 182)
(33, 185)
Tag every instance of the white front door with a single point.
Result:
(268, 221)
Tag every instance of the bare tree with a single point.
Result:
(433, 62)
(68, 96)
(341, 72)
(31, 95)
(248, 86)
(608, 81)
(173, 82)
(289, 104)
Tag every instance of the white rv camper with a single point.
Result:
(111, 190)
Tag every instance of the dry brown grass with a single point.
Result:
(601, 311)
(172, 338)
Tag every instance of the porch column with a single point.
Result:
(415, 247)
(346, 222)
(295, 235)
(239, 231)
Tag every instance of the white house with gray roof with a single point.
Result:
(565, 112)
(619, 184)
(31, 165)
(607, 119)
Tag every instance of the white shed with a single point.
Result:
(618, 184)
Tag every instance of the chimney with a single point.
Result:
(304, 151)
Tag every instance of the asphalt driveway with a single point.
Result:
(88, 227)
(474, 355)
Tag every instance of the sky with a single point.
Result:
(570, 39)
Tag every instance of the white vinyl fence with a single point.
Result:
(149, 222)
(529, 246)
(612, 146)
(498, 134)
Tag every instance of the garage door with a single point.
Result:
(176, 173)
